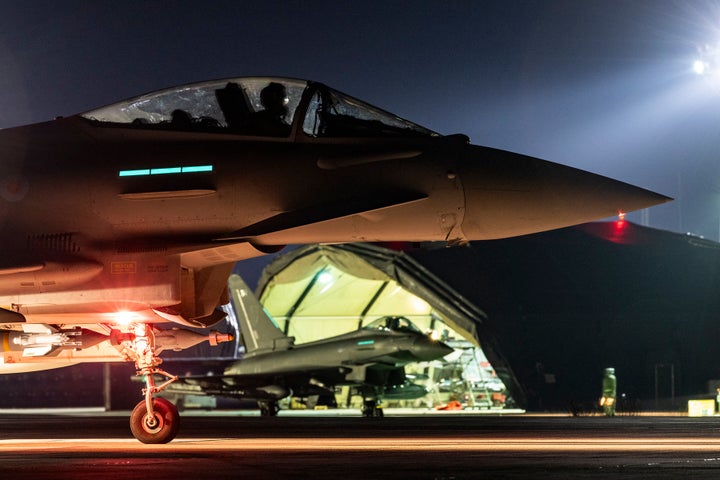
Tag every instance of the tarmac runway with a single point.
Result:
(224, 445)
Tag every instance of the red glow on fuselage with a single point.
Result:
(620, 223)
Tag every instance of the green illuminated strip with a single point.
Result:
(134, 173)
(366, 342)
(197, 168)
(165, 170)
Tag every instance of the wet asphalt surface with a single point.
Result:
(227, 445)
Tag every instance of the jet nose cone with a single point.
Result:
(426, 349)
(508, 194)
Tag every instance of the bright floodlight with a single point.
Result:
(325, 277)
(699, 67)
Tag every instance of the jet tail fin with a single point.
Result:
(258, 331)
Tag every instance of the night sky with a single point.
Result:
(607, 86)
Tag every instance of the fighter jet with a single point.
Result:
(371, 360)
(132, 215)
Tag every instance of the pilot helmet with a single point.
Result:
(274, 95)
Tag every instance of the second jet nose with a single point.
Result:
(508, 194)
(426, 349)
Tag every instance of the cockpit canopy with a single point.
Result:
(256, 106)
(395, 324)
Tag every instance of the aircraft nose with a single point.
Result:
(426, 349)
(508, 194)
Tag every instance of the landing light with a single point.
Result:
(126, 318)
(699, 67)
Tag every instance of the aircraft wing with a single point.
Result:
(221, 253)
(256, 387)
(279, 385)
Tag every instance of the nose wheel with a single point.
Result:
(160, 426)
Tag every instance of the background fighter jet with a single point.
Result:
(133, 215)
(372, 359)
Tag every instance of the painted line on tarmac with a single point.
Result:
(476, 444)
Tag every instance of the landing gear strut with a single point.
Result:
(372, 409)
(268, 408)
(372, 401)
(153, 420)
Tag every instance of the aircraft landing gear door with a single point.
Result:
(153, 420)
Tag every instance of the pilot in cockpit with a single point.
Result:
(272, 120)
(392, 323)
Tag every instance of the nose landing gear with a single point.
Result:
(372, 409)
(372, 406)
(153, 420)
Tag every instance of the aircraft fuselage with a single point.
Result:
(393, 349)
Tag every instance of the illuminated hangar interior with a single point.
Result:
(318, 291)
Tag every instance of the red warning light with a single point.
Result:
(620, 222)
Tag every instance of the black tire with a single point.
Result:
(166, 424)
(269, 409)
(371, 409)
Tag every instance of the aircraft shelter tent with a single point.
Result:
(317, 291)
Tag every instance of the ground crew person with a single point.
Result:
(609, 392)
